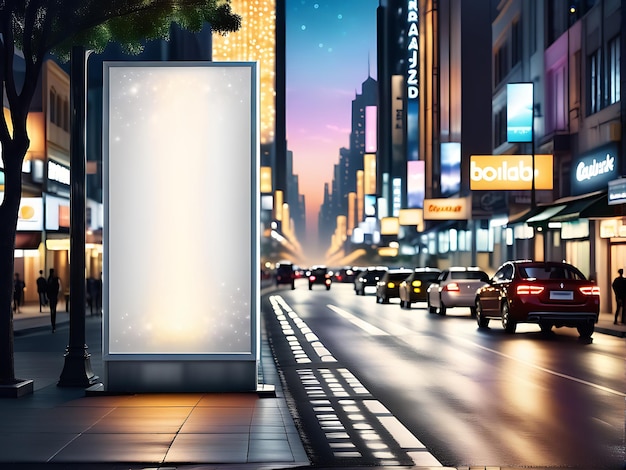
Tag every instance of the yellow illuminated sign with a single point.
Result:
(448, 209)
(510, 172)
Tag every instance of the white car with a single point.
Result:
(456, 287)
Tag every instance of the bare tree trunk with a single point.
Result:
(13, 155)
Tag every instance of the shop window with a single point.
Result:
(66, 115)
(501, 64)
(516, 43)
(499, 128)
(594, 93)
(52, 105)
(613, 89)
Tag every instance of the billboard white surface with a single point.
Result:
(181, 210)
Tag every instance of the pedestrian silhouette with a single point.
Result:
(53, 289)
(99, 295)
(18, 293)
(92, 294)
(619, 289)
(42, 287)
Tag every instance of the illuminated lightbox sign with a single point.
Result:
(617, 191)
(595, 169)
(57, 213)
(412, 80)
(371, 125)
(450, 168)
(510, 172)
(30, 214)
(416, 184)
(181, 179)
(448, 209)
(519, 112)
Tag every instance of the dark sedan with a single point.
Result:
(319, 275)
(388, 286)
(548, 293)
(367, 280)
(413, 288)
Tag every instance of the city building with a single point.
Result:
(571, 53)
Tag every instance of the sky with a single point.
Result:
(331, 50)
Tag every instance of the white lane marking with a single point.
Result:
(548, 371)
(377, 331)
(369, 328)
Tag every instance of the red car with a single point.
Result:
(549, 293)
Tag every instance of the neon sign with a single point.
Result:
(413, 50)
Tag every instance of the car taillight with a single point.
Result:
(417, 283)
(453, 286)
(312, 278)
(590, 290)
(529, 289)
(390, 285)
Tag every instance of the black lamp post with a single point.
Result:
(77, 370)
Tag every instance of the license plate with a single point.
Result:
(561, 295)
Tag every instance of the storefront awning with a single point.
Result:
(545, 215)
(567, 209)
(523, 216)
(600, 209)
(574, 209)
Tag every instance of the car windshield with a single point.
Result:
(374, 274)
(319, 272)
(398, 276)
(549, 272)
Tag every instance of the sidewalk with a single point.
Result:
(64, 426)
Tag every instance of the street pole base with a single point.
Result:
(77, 371)
(16, 390)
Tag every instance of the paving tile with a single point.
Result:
(32, 447)
(236, 400)
(204, 427)
(209, 448)
(269, 450)
(106, 448)
(50, 420)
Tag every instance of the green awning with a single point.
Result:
(574, 209)
(545, 215)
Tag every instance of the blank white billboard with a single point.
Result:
(181, 209)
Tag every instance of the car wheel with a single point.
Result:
(431, 309)
(585, 330)
(507, 322)
(442, 307)
(480, 319)
(327, 287)
(473, 312)
(293, 286)
(310, 287)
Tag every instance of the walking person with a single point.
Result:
(42, 287)
(18, 292)
(99, 295)
(619, 289)
(53, 289)
(92, 293)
